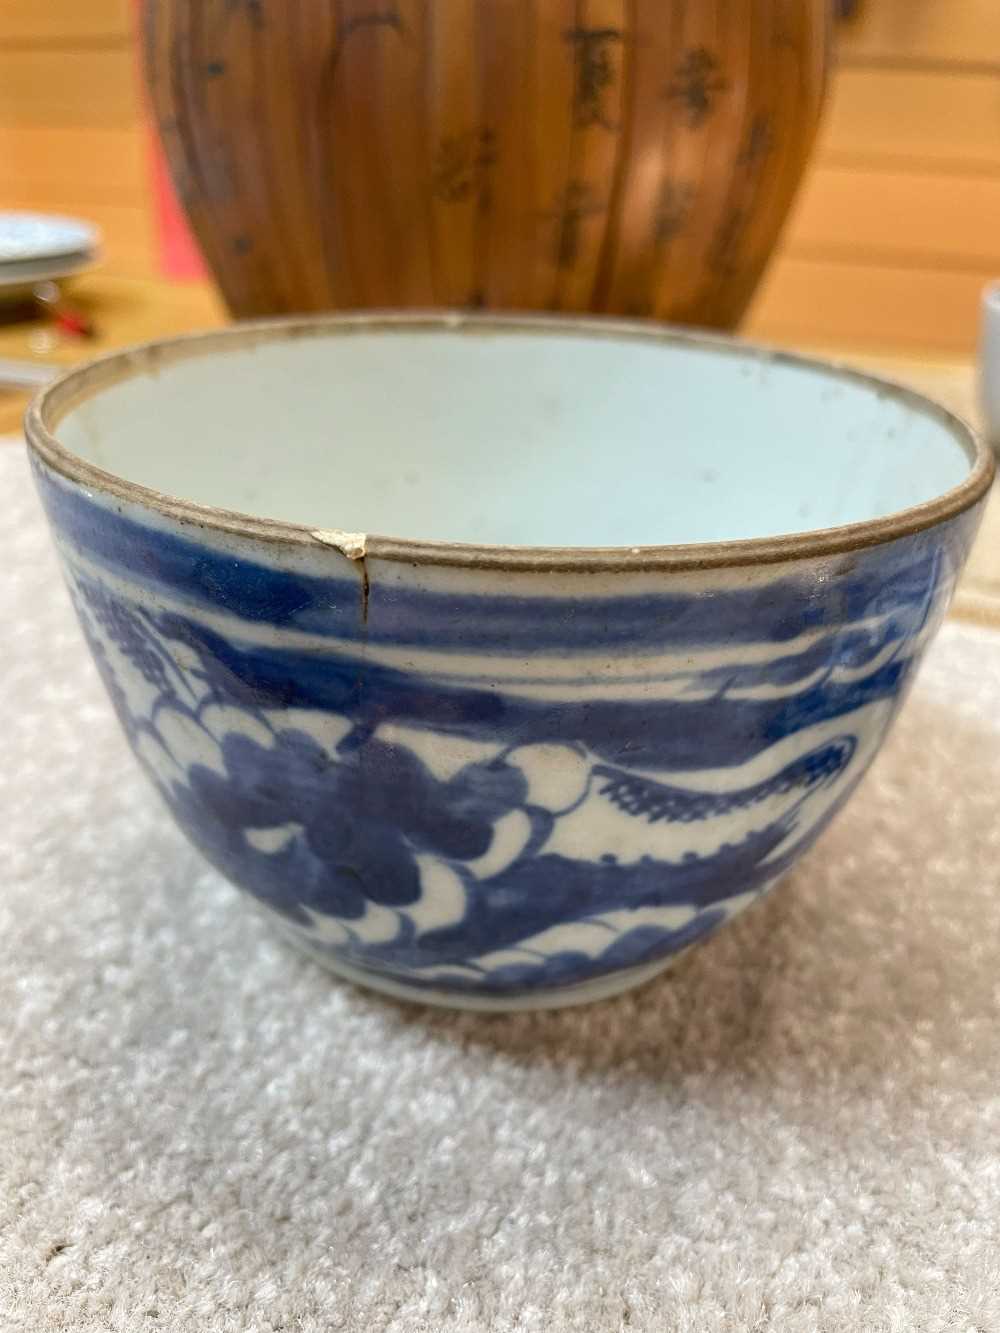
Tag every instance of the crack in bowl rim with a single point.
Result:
(53, 402)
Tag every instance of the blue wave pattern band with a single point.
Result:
(416, 797)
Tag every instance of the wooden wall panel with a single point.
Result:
(932, 31)
(821, 303)
(89, 163)
(73, 138)
(64, 22)
(897, 227)
(68, 87)
(877, 215)
(944, 121)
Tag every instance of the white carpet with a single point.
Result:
(798, 1130)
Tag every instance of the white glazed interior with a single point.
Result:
(523, 437)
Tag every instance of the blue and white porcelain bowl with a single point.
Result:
(649, 608)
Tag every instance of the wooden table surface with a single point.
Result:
(129, 310)
(123, 310)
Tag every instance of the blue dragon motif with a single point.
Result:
(575, 831)
(352, 827)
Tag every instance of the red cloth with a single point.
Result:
(179, 253)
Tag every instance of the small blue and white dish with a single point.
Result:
(651, 604)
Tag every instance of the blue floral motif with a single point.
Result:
(360, 816)
(307, 774)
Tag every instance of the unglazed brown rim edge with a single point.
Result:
(52, 403)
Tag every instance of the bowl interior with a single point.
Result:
(518, 435)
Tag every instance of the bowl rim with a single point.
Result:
(55, 400)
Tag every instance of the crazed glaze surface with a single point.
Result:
(486, 786)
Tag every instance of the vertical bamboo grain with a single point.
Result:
(599, 42)
(552, 76)
(503, 52)
(461, 153)
(627, 156)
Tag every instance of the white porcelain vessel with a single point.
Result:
(646, 608)
(989, 363)
(43, 247)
